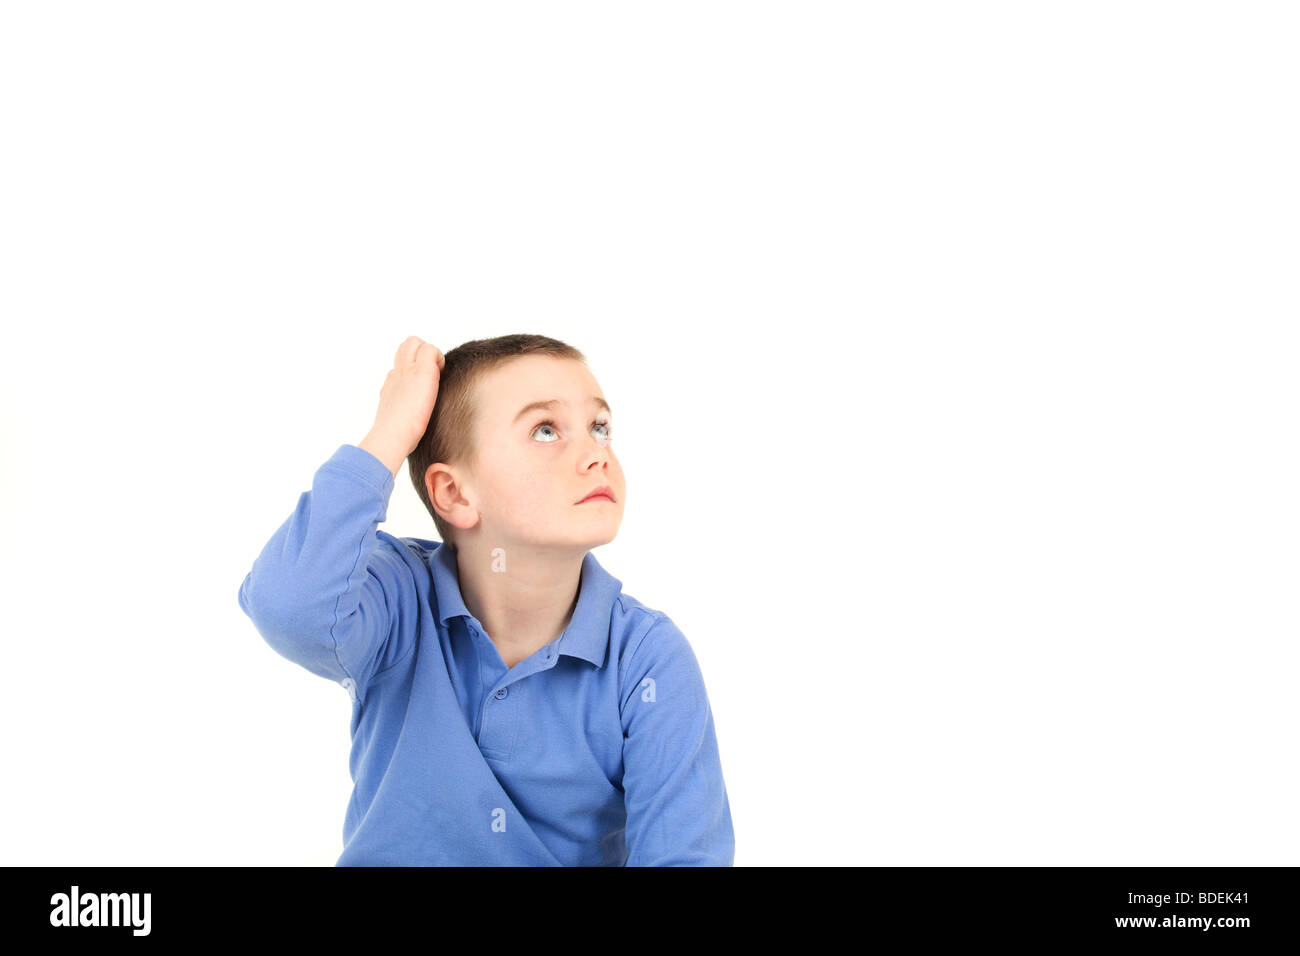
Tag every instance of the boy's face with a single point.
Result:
(535, 466)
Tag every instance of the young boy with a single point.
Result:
(510, 704)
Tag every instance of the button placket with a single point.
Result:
(499, 724)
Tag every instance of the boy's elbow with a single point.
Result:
(278, 604)
(252, 600)
(299, 641)
(280, 626)
(243, 595)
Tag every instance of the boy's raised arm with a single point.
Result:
(327, 591)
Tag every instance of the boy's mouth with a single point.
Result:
(603, 493)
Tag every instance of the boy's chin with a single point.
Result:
(586, 542)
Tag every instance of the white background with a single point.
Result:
(952, 348)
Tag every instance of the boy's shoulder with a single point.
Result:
(640, 616)
(424, 546)
(415, 553)
(647, 630)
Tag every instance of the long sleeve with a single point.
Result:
(328, 591)
(678, 813)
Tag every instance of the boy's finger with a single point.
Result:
(407, 350)
(433, 353)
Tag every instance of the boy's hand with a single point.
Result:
(405, 403)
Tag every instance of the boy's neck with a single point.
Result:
(523, 600)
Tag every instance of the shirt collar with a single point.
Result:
(587, 635)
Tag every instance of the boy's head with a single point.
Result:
(517, 476)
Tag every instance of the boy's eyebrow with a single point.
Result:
(595, 399)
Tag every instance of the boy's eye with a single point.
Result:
(596, 424)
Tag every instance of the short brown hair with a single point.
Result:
(449, 437)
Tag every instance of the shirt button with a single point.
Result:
(501, 694)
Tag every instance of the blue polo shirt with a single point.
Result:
(597, 750)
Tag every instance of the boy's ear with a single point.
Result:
(448, 500)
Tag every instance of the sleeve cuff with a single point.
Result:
(359, 463)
